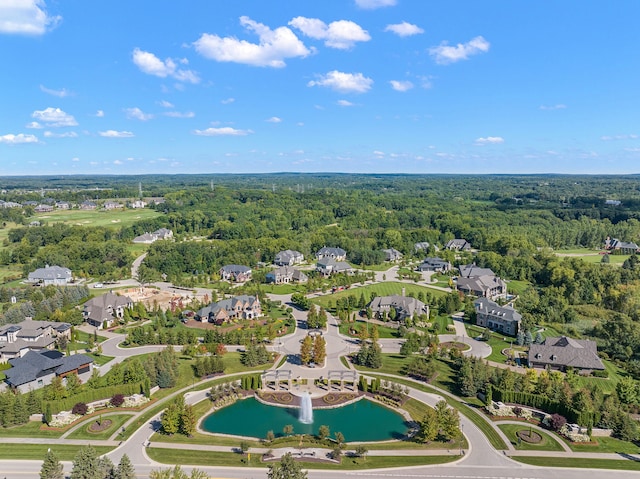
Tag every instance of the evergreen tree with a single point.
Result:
(170, 419)
(306, 350)
(51, 467)
(287, 468)
(428, 426)
(319, 350)
(106, 468)
(125, 469)
(86, 464)
(188, 421)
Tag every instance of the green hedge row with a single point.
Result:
(91, 395)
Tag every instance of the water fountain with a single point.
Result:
(306, 410)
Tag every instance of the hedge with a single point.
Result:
(91, 395)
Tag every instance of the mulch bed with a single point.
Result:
(288, 399)
(100, 426)
(455, 345)
(530, 437)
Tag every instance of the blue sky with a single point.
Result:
(371, 86)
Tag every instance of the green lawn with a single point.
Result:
(209, 458)
(83, 432)
(497, 343)
(99, 359)
(114, 218)
(582, 463)
(383, 331)
(517, 287)
(37, 452)
(606, 444)
(548, 443)
(30, 429)
(283, 288)
(380, 289)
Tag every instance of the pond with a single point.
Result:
(360, 421)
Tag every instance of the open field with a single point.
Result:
(114, 218)
(36, 452)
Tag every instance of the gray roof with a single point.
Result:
(405, 305)
(563, 351)
(287, 255)
(490, 308)
(37, 364)
(329, 251)
(50, 273)
(97, 309)
(227, 305)
(295, 274)
(458, 243)
(480, 283)
(236, 269)
(471, 270)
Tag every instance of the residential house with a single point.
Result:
(285, 275)
(421, 246)
(103, 311)
(112, 205)
(88, 205)
(458, 244)
(55, 275)
(503, 319)
(62, 205)
(9, 204)
(148, 238)
(235, 273)
(337, 254)
(16, 340)
(437, 265)
(37, 369)
(475, 281)
(392, 254)
(43, 209)
(238, 307)
(329, 266)
(562, 353)
(404, 306)
(138, 204)
(288, 258)
(622, 247)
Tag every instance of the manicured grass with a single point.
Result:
(83, 431)
(376, 267)
(440, 324)
(99, 359)
(582, 463)
(114, 218)
(210, 458)
(37, 452)
(30, 429)
(391, 364)
(548, 443)
(517, 287)
(606, 385)
(606, 444)
(379, 289)
(383, 331)
(283, 288)
(497, 343)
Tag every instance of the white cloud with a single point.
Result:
(227, 101)
(559, 106)
(26, 17)
(100, 113)
(401, 85)
(54, 117)
(116, 134)
(344, 82)
(342, 34)
(68, 134)
(404, 29)
(344, 103)
(274, 119)
(373, 4)
(489, 140)
(165, 104)
(137, 114)
(378, 153)
(59, 93)
(445, 54)
(118, 162)
(75, 159)
(12, 139)
(34, 125)
(224, 131)
(179, 114)
(275, 46)
(149, 63)
(620, 137)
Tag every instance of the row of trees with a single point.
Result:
(313, 350)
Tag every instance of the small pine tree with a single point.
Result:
(125, 469)
(51, 467)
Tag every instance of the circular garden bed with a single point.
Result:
(455, 345)
(99, 426)
(530, 437)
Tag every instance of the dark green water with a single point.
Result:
(361, 421)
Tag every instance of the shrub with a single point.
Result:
(556, 422)
(80, 409)
(117, 400)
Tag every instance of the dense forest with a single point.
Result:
(516, 223)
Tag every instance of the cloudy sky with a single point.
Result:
(380, 86)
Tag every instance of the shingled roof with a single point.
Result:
(562, 352)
